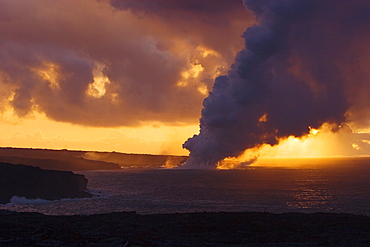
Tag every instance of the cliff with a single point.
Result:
(33, 182)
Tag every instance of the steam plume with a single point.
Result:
(296, 71)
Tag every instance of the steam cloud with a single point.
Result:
(303, 65)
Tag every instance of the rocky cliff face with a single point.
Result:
(33, 182)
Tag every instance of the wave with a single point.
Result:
(99, 193)
(21, 200)
(24, 200)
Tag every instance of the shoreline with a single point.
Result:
(185, 229)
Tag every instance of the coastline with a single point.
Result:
(185, 229)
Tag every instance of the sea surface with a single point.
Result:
(290, 186)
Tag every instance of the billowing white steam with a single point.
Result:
(300, 67)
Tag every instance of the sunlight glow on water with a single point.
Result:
(344, 188)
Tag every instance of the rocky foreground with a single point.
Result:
(191, 229)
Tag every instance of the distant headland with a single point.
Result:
(68, 160)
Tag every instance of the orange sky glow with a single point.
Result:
(95, 76)
(39, 132)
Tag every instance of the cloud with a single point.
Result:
(118, 63)
(304, 64)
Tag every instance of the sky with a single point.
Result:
(131, 76)
(128, 76)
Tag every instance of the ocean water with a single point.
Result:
(340, 187)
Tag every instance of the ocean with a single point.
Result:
(289, 186)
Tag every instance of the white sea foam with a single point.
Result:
(321, 188)
(24, 200)
(21, 200)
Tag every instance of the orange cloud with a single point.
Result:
(102, 63)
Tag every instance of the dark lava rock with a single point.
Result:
(33, 182)
(186, 229)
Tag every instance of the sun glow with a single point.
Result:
(355, 146)
(263, 119)
(50, 73)
(323, 142)
(205, 52)
(189, 77)
(204, 64)
(97, 88)
(37, 131)
(203, 89)
(192, 73)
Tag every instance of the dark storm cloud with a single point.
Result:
(52, 51)
(303, 65)
(211, 23)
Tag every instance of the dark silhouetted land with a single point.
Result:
(67, 160)
(192, 229)
(34, 182)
